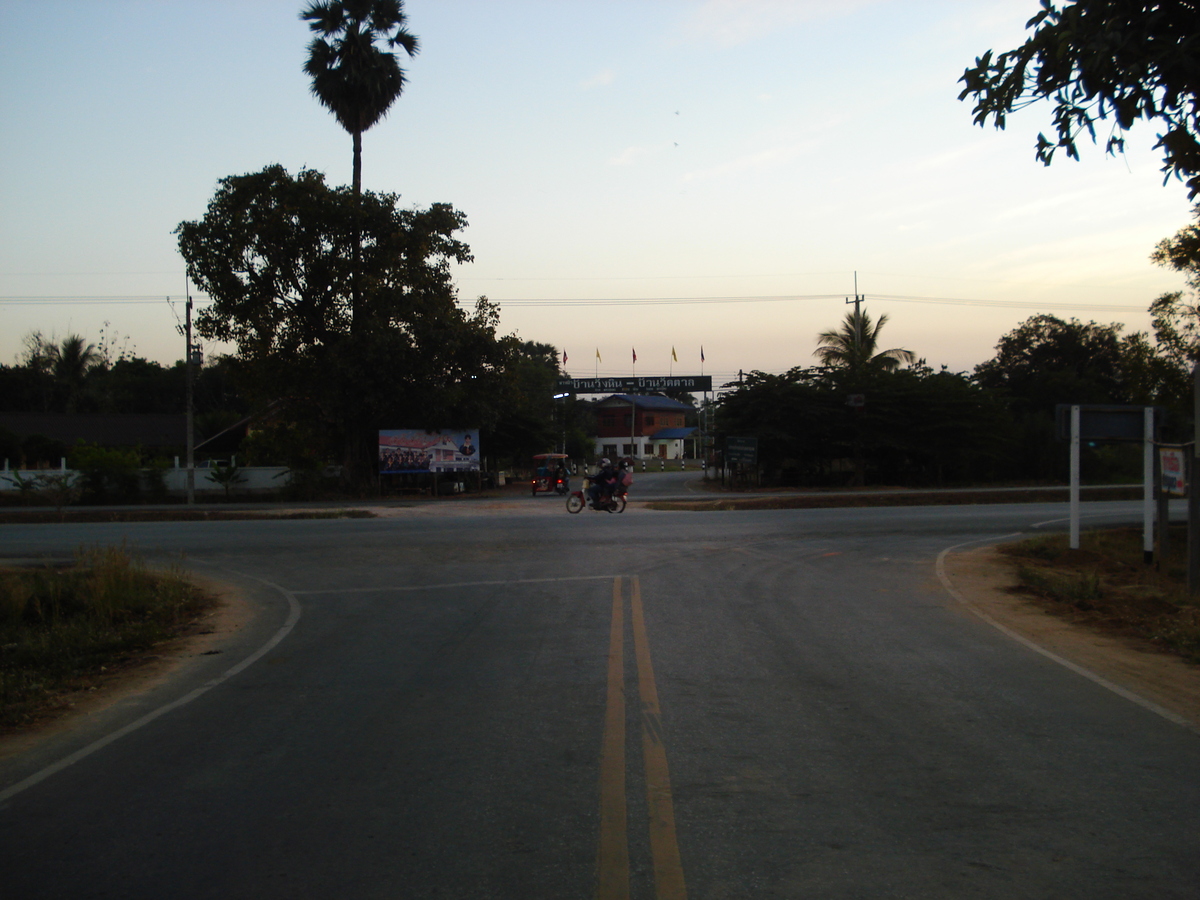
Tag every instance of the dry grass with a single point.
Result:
(1106, 585)
(62, 629)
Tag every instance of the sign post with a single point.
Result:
(1111, 423)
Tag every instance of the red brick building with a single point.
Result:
(642, 426)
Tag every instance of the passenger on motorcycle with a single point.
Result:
(604, 482)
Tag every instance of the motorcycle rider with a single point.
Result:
(603, 482)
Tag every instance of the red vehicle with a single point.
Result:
(551, 475)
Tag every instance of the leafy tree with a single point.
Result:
(271, 252)
(351, 76)
(918, 426)
(1176, 316)
(530, 420)
(1097, 60)
(854, 346)
(1045, 361)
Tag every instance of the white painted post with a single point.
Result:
(1149, 486)
(1074, 477)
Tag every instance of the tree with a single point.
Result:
(73, 361)
(855, 346)
(1045, 361)
(1175, 316)
(272, 252)
(1122, 60)
(352, 77)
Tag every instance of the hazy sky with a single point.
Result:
(709, 151)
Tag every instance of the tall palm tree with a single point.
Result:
(854, 346)
(352, 77)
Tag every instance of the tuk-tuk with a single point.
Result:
(551, 474)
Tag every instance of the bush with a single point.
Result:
(60, 628)
(109, 474)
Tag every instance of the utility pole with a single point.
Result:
(191, 416)
(1193, 492)
(857, 310)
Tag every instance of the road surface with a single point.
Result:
(518, 703)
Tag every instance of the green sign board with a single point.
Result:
(635, 384)
(741, 450)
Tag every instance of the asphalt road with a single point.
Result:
(523, 704)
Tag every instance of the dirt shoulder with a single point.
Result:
(209, 634)
(985, 578)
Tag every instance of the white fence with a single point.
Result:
(252, 479)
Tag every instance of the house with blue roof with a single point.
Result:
(642, 426)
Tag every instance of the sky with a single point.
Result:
(653, 176)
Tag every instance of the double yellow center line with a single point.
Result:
(613, 855)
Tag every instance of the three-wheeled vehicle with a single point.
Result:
(551, 474)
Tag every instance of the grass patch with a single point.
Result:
(1105, 584)
(882, 497)
(64, 629)
(175, 514)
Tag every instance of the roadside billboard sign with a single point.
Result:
(413, 450)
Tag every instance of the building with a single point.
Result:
(642, 426)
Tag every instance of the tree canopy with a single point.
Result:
(274, 253)
(1176, 316)
(1100, 61)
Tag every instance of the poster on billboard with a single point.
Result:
(1174, 470)
(413, 450)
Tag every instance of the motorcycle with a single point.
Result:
(614, 502)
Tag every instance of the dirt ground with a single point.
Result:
(981, 580)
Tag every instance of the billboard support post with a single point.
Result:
(1075, 477)
(1148, 455)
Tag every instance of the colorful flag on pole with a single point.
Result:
(673, 356)
(635, 356)
(564, 357)
(701, 353)
(598, 355)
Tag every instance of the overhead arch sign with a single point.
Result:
(635, 384)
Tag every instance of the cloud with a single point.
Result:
(600, 79)
(763, 159)
(732, 22)
(629, 156)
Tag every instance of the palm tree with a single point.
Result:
(854, 346)
(71, 362)
(352, 77)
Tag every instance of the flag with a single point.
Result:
(701, 353)
(673, 356)
(635, 356)
(598, 355)
(564, 357)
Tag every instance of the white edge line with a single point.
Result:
(55, 768)
(1149, 705)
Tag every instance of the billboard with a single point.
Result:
(411, 450)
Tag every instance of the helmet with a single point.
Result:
(605, 462)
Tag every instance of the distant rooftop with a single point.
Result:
(648, 401)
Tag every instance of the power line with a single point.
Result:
(517, 303)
